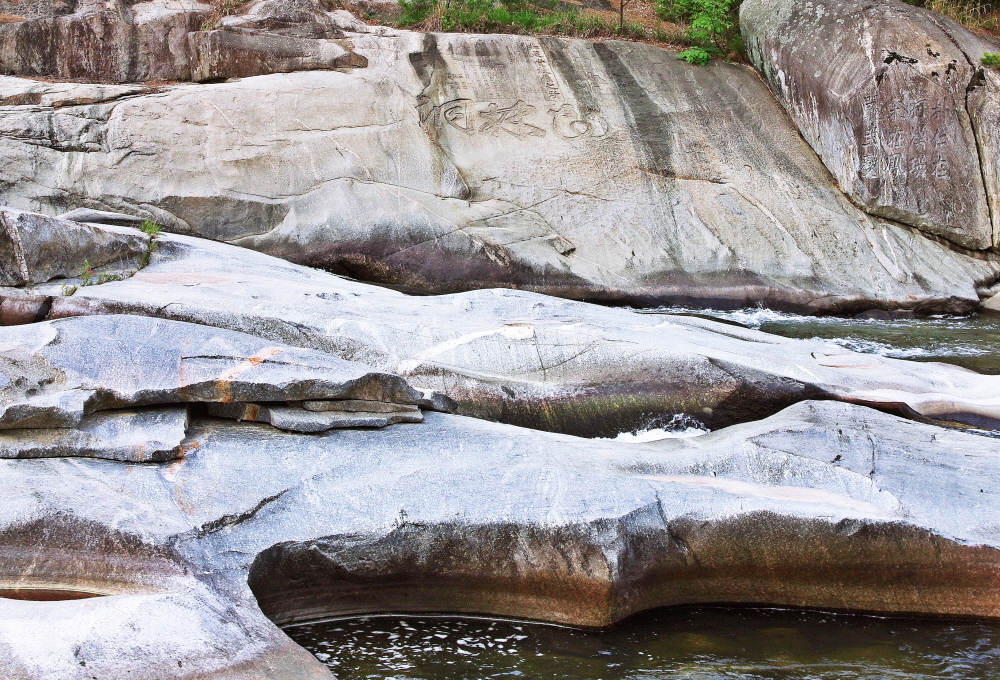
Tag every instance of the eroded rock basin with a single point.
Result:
(702, 643)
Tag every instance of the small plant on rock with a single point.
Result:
(150, 228)
(991, 59)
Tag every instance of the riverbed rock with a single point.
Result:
(825, 505)
(525, 358)
(134, 435)
(36, 249)
(609, 171)
(54, 373)
(892, 97)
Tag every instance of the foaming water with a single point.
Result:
(679, 426)
(690, 644)
(972, 342)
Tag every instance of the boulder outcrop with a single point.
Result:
(824, 505)
(524, 358)
(36, 249)
(606, 171)
(120, 42)
(894, 100)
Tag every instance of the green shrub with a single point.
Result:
(991, 59)
(712, 27)
(695, 55)
(413, 12)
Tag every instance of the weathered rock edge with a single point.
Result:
(529, 359)
(895, 101)
(121, 42)
(609, 171)
(825, 505)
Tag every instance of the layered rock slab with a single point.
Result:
(138, 435)
(526, 358)
(609, 171)
(824, 505)
(54, 373)
(894, 100)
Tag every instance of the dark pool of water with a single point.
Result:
(972, 342)
(690, 643)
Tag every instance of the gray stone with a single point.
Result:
(88, 216)
(358, 406)
(293, 18)
(53, 373)
(22, 91)
(166, 40)
(137, 436)
(234, 53)
(297, 419)
(825, 505)
(528, 359)
(891, 98)
(606, 171)
(36, 249)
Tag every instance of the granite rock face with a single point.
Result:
(894, 100)
(590, 171)
(825, 505)
(138, 435)
(36, 249)
(65, 368)
(524, 358)
(121, 42)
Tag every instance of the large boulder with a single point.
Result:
(167, 40)
(525, 358)
(592, 171)
(36, 249)
(825, 505)
(894, 100)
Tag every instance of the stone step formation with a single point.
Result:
(203, 437)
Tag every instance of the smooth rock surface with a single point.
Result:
(53, 373)
(528, 359)
(825, 505)
(591, 171)
(894, 100)
(137, 436)
(36, 249)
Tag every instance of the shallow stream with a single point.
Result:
(677, 644)
(700, 643)
(972, 341)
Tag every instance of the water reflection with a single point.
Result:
(692, 643)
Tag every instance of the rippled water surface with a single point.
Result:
(694, 643)
(972, 342)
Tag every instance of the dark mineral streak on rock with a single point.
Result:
(599, 573)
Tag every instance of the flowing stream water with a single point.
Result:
(700, 643)
(972, 341)
(677, 644)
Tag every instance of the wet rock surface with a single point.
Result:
(895, 101)
(825, 505)
(200, 441)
